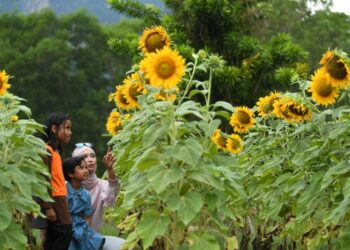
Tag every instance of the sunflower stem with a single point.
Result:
(209, 87)
(190, 81)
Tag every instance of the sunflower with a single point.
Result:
(337, 70)
(280, 109)
(169, 97)
(291, 110)
(218, 139)
(132, 89)
(164, 68)
(323, 92)
(242, 119)
(120, 99)
(113, 124)
(14, 118)
(265, 104)
(153, 39)
(4, 85)
(234, 144)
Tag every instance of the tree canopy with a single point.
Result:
(63, 63)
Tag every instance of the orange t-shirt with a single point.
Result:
(58, 182)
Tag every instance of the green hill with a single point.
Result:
(99, 8)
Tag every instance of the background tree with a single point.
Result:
(253, 67)
(313, 31)
(63, 63)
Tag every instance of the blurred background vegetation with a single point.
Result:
(72, 61)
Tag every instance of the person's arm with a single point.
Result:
(110, 191)
(108, 161)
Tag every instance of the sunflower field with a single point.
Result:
(22, 172)
(202, 175)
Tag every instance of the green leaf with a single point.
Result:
(152, 224)
(161, 177)
(224, 105)
(203, 241)
(147, 160)
(334, 172)
(153, 133)
(209, 129)
(205, 176)
(187, 206)
(223, 114)
(189, 152)
(5, 215)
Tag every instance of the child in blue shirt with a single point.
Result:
(79, 205)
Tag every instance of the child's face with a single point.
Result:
(80, 172)
(64, 132)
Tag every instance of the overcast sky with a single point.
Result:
(341, 6)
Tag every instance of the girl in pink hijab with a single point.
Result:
(103, 192)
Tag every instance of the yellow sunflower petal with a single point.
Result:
(153, 39)
(164, 69)
(291, 110)
(113, 124)
(4, 85)
(120, 99)
(132, 89)
(323, 92)
(242, 119)
(265, 104)
(337, 71)
(218, 139)
(234, 144)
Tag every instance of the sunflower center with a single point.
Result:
(1, 83)
(324, 88)
(122, 99)
(166, 69)
(154, 41)
(267, 108)
(235, 143)
(297, 110)
(134, 92)
(243, 117)
(222, 141)
(336, 68)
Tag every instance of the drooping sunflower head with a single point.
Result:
(120, 99)
(168, 96)
(114, 123)
(336, 68)
(323, 92)
(234, 144)
(265, 104)
(242, 119)
(291, 110)
(219, 140)
(326, 57)
(153, 39)
(132, 89)
(164, 69)
(4, 84)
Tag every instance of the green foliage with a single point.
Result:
(176, 185)
(148, 12)
(64, 64)
(296, 177)
(227, 28)
(22, 171)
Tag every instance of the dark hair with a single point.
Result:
(69, 165)
(57, 119)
